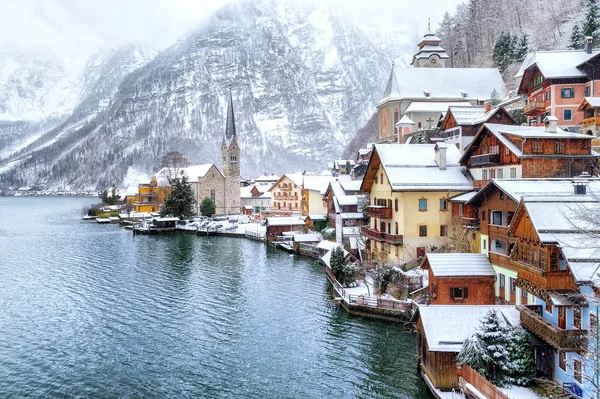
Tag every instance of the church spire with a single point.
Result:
(230, 124)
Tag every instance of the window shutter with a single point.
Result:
(452, 293)
(466, 292)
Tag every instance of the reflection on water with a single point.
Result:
(89, 310)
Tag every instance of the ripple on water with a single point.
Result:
(89, 310)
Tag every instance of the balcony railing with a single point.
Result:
(534, 106)
(285, 188)
(500, 260)
(547, 280)
(567, 340)
(485, 159)
(376, 211)
(593, 121)
(395, 239)
(469, 223)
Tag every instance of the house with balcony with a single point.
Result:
(517, 152)
(555, 83)
(557, 262)
(460, 124)
(460, 279)
(345, 211)
(314, 201)
(286, 194)
(590, 106)
(409, 186)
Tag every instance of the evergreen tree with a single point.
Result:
(521, 49)
(488, 350)
(576, 40)
(494, 98)
(521, 357)
(207, 207)
(591, 25)
(180, 202)
(348, 168)
(503, 51)
(343, 272)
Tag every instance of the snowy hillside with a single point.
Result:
(303, 82)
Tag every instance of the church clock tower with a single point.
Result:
(230, 151)
(430, 54)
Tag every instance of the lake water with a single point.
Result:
(89, 310)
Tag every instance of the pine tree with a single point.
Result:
(503, 50)
(343, 272)
(521, 357)
(207, 207)
(576, 40)
(591, 25)
(494, 98)
(180, 202)
(521, 49)
(488, 350)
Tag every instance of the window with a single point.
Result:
(381, 177)
(495, 150)
(484, 174)
(549, 307)
(536, 147)
(501, 195)
(577, 371)
(492, 174)
(396, 228)
(444, 230)
(423, 230)
(562, 360)
(543, 259)
(548, 95)
(484, 244)
(376, 180)
(511, 284)
(497, 218)
(501, 281)
(587, 91)
(500, 174)
(443, 204)
(524, 299)
(559, 147)
(213, 196)
(567, 92)
(577, 318)
(567, 114)
(458, 292)
(422, 205)
(396, 204)
(434, 290)
(513, 173)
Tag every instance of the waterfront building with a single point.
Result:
(409, 186)
(460, 279)
(345, 212)
(313, 194)
(255, 198)
(277, 225)
(516, 152)
(286, 194)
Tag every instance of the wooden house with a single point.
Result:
(517, 152)
(460, 278)
(461, 124)
(441, 332)
(277, 225)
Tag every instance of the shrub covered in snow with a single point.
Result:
(500, 353)
(343, 271)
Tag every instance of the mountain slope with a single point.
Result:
(302, 80)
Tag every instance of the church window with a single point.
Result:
(396, 116)
(213, 196)
(420, 124)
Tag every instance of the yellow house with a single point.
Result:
(313, 194)
(286, 193)
(150, 196)
(409, 186)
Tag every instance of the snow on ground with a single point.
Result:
(515, 392)
(362, 289)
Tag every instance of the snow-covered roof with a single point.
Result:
(196, 172)
(443, 84)
(351, 231)
(316, 217)
(560, 190)
(430, 106)
(448, 326)
(317, 183)
(267, 179)
(132, 191)
(285, 221)
(327, 245)
(341, 163)
(351, 185)
(471, 115)
(405, 120)
(340, 196)
(594, 102)
(311, 237)
(464, 198)
(557, 64)
(460, 264)
(193, 173)
(414, 167)
(246, 192)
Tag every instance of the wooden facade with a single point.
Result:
(463, 290)
(470, 130)
(440, 367)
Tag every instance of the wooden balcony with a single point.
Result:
(567, 340)
(395, 239)
(546, 280)
(285, 188)
(485, 159)
(469, 223)
(497, 232)
(377, 211)
(593, 121)
(500, 260)
(535, 106)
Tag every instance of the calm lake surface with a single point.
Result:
(89, 310)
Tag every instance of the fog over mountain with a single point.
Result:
(103, 108)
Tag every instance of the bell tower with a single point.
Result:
(230, 151)
(430, 54)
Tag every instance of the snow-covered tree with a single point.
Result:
(180, 202)
(576, 39)
(522, 367)
(591, 24)
(343, 271)
(494, 98)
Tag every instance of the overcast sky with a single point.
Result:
(72, 26)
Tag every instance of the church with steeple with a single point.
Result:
(230, 152)
(430, 54)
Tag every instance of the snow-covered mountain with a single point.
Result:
(303, 82)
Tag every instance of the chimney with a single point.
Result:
(488, 106)
(551, 123)
(440, 155)
(588, 44)
(580, 184)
